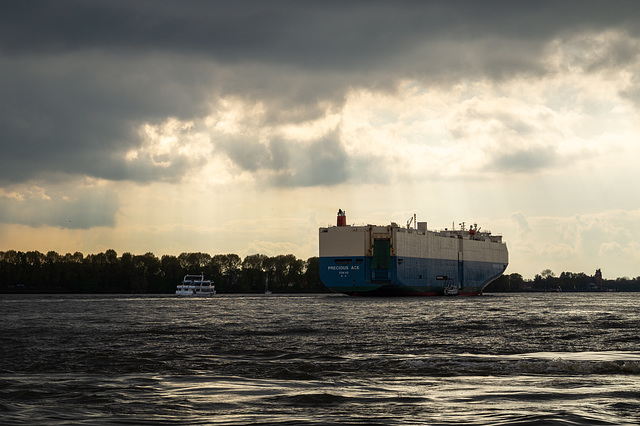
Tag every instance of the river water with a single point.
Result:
(498, 359)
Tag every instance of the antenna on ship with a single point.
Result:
(412, 219)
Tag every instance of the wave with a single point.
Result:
(386, 365)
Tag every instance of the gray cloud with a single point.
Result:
(320, 162)
(77, 78)
(633, 92)
(323, 162)
(525, 160)
(523, 225)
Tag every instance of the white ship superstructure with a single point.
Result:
(195, 285)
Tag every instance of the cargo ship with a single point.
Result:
(393, 260)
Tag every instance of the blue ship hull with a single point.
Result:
(407, 276)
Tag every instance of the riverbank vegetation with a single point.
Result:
(35, 272)
(566, 281)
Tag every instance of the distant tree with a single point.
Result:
(9, 271)
(229, 266)
(94, 266)
(311, 277)
(516, 282)
(76, 257)
(506, 283)
(547, 273)
(285, 273)
(195, 263)
(545, 280)
(54, 271)
(54, 257)
(111, 256)
(147, 269)
(570, 281)
(624, 284)
(113, 280)
(128, 272)
(171, 272)
(253, 276)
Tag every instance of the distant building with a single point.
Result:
(596, 285)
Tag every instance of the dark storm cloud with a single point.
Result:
(329, 34)
(77, 78)
(75, 115)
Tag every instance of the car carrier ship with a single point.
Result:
(392, 260)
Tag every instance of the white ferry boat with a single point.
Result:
(196, 285)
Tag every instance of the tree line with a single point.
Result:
(35, 272)
(566, 281)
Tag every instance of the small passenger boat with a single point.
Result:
(196, 285)
(451, 290)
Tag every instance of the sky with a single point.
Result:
(243, 126)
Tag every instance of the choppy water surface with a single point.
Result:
(496, 359)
